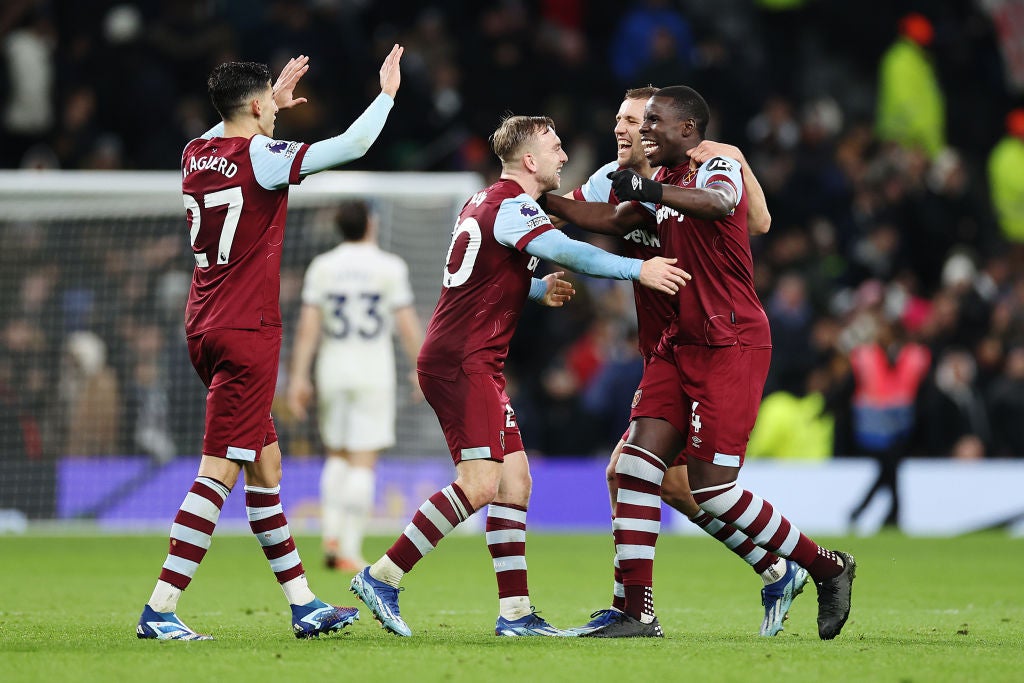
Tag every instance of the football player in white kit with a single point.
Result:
(355, 297)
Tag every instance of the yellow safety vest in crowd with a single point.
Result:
(1006, 185)
(911, 106)
(793, 428)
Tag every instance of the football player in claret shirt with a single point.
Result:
(702, 387)
(235, 181)
(783, 579)
(501, 234)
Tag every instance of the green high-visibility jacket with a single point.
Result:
(1006, 185)
(911, 107)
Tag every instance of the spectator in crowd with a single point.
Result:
(27, 478)
(651, 35)
(845, 208)
(89, 386)
(148, 414)
(887, 373)
(28, 60)
(955, 423)
(1006, 406)
(791, 316)
(794, 426)
(1006, 179)
(911, 103)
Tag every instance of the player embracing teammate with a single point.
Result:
(501, 234)
(702, 386)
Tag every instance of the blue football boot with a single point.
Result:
(382, 600)
(777, 597)
(165, 626)
(309, 621)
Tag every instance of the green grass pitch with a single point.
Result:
(923, 610)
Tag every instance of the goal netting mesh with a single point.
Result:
(99, 404)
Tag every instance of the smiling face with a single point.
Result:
(549, 158)
(630, 154)
(664, 135)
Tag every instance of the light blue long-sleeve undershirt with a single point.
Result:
(351, 144)
(538, 288)
(582, 257)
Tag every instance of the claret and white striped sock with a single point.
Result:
(756, 518)
(766, 564)
(269, 525)
(636, 526)
(435, 519)
(191, 536)
(506, 541)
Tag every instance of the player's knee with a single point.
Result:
(480, 492)
(680, 500)
(266, 479)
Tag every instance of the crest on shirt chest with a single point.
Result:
(666, 213)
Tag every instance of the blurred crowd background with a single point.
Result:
(888, 137)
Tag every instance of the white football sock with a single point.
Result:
(387, 571)
(357, 500)
(515, 607)
(165, 597)
(774, 572)
(297, 591)
(332, 501)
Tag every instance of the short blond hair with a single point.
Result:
(514, 132)
(644, 93)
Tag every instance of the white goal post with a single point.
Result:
(94, 269)
(28, 195)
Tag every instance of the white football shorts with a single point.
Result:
(358, 418)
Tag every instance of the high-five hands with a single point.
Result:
(390, 73)
(286, 82)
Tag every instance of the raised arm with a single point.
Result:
(356, 140)
(759, 220)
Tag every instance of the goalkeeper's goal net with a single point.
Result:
(98, 399)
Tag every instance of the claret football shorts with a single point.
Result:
(710, 394)
(475, 415)
(239, 369)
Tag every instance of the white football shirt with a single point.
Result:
(357, 287)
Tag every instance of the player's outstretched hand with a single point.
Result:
(286, 82)
(630, 185)
(659, 274)
(298, 396)
(559, 291)
(390, 73)
(709, 149)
